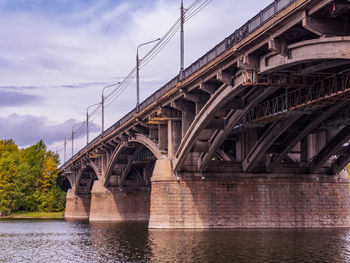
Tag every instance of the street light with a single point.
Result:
(80, 123)
(65, 149)
(137, 72)
(103, 105)
(87, 121)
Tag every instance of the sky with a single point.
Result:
(57, 55)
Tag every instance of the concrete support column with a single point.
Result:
(199, 106)
(239, 147)
(321, 140)
(77, 207)
(174, 137)
(163, 136)
(315, 142)
(153, 133)
(187, 119)
(103, 164)
(303, 150)
(119, 204)
(160, 211)
(248, 141)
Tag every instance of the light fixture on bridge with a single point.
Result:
(87, 121)
(138, 61)
(73, 132)
(103, 104)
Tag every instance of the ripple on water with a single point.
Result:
(60, 241)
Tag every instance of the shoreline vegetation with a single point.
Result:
(29, 181)
(34, 215)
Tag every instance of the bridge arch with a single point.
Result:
(207, 113)
(85, 178)
(152, 146)
(125, 157)
(221, 98)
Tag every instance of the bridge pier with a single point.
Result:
(77, 207)
(119, 204)
(220, 200)
(249, 201)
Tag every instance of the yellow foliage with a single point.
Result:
(49, 173)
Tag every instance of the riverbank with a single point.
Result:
(36, 215)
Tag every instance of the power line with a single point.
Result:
(200, 8)
(194, 8)
(190, 12)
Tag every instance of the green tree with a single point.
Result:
(28, 179)
(10, 193)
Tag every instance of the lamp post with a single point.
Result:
(65, 149)
(182, 45)
(87, 121)
(73, 135)
(103, 105)
(138, 72)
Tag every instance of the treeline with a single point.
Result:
(28, 179)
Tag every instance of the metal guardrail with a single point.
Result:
(252, 25)
(323, 93)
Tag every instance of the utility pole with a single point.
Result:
(137, 80)
(182, 39)
(72, 142)
(87, 127)
(65, 149)
(87, 121)
(73, 135)
(103, 105)
(138, 72)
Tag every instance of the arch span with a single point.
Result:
(85, 178)
(124, 155)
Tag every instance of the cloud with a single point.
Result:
(27, 129)
(56, 56)
(83, 85)
(12, 98)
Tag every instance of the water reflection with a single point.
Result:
(60, 241)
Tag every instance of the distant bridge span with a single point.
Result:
(255, 134)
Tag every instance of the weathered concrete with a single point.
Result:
(77, 207)
(250, 201)
(107, 205)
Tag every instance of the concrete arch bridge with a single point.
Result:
(254, 134)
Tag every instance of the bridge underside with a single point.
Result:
(259, 138)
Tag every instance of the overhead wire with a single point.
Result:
(200, 8)
(194, 8)
(190, 12)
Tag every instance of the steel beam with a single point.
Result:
(310, 124)
(231, 122)
(265, 142)
(330, 149)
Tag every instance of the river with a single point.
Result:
(61, 241)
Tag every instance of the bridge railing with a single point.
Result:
(252, 25)
(323, 92)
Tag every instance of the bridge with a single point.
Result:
(254, 134)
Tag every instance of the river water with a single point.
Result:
(61, 241)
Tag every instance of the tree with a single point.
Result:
(28, 179)
(9, 184)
